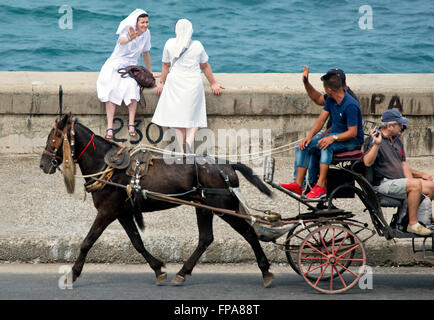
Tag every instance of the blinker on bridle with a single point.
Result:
(55, 143)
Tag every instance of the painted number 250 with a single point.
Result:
(118, 125)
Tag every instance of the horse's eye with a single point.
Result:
(58, 135)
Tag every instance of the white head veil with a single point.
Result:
(183, 31)
(130, 21)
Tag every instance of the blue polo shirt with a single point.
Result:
(345, 114)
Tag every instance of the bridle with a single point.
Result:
(57, 138)
(55, 143)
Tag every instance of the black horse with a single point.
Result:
(89, 151)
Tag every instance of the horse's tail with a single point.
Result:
(138, 217)
(247, 172)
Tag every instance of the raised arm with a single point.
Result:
(130, 37)
(315, 95)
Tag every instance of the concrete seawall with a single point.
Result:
(29, 102)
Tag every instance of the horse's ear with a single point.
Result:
(64, 120)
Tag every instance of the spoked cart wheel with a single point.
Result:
(294, 240)
(333, 253)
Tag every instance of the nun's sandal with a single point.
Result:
(109, 136)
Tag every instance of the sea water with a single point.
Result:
(240, 36)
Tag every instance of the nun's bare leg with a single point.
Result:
(110, 109)
(180, 138)
(132, 108)
(190, 135)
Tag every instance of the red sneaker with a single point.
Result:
(317, 193)
(293, 187)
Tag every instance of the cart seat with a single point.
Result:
(387, 201)
(348, 155)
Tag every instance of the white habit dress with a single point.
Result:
(182, 101)
(110, 85)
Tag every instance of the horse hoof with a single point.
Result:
(161, 278)
(268, 279)
(178, 280)
(163, 264)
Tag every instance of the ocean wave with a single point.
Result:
(51, 52)
(239, 35)
(246, 2)
(52, 11)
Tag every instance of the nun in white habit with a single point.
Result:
(134, 39)
(182, 96)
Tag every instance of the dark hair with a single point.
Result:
(334, 82)
(143, 15)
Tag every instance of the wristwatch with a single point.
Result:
(335, 137)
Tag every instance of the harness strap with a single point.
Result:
(165, 198)
(73, 138)
(218, 191)
(225, 177)
(98, 184)
(223, 192)
(87, 146)
(198, 184)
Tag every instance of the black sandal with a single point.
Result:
(132, 133)
(108, 136)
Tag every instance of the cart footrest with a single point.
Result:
(335, 213)
(396, 233)
(325, 199)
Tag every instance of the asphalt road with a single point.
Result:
(208, 282)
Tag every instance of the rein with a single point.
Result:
(171, 199)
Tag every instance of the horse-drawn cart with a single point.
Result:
(326, 244)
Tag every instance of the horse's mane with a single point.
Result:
(90, 132)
